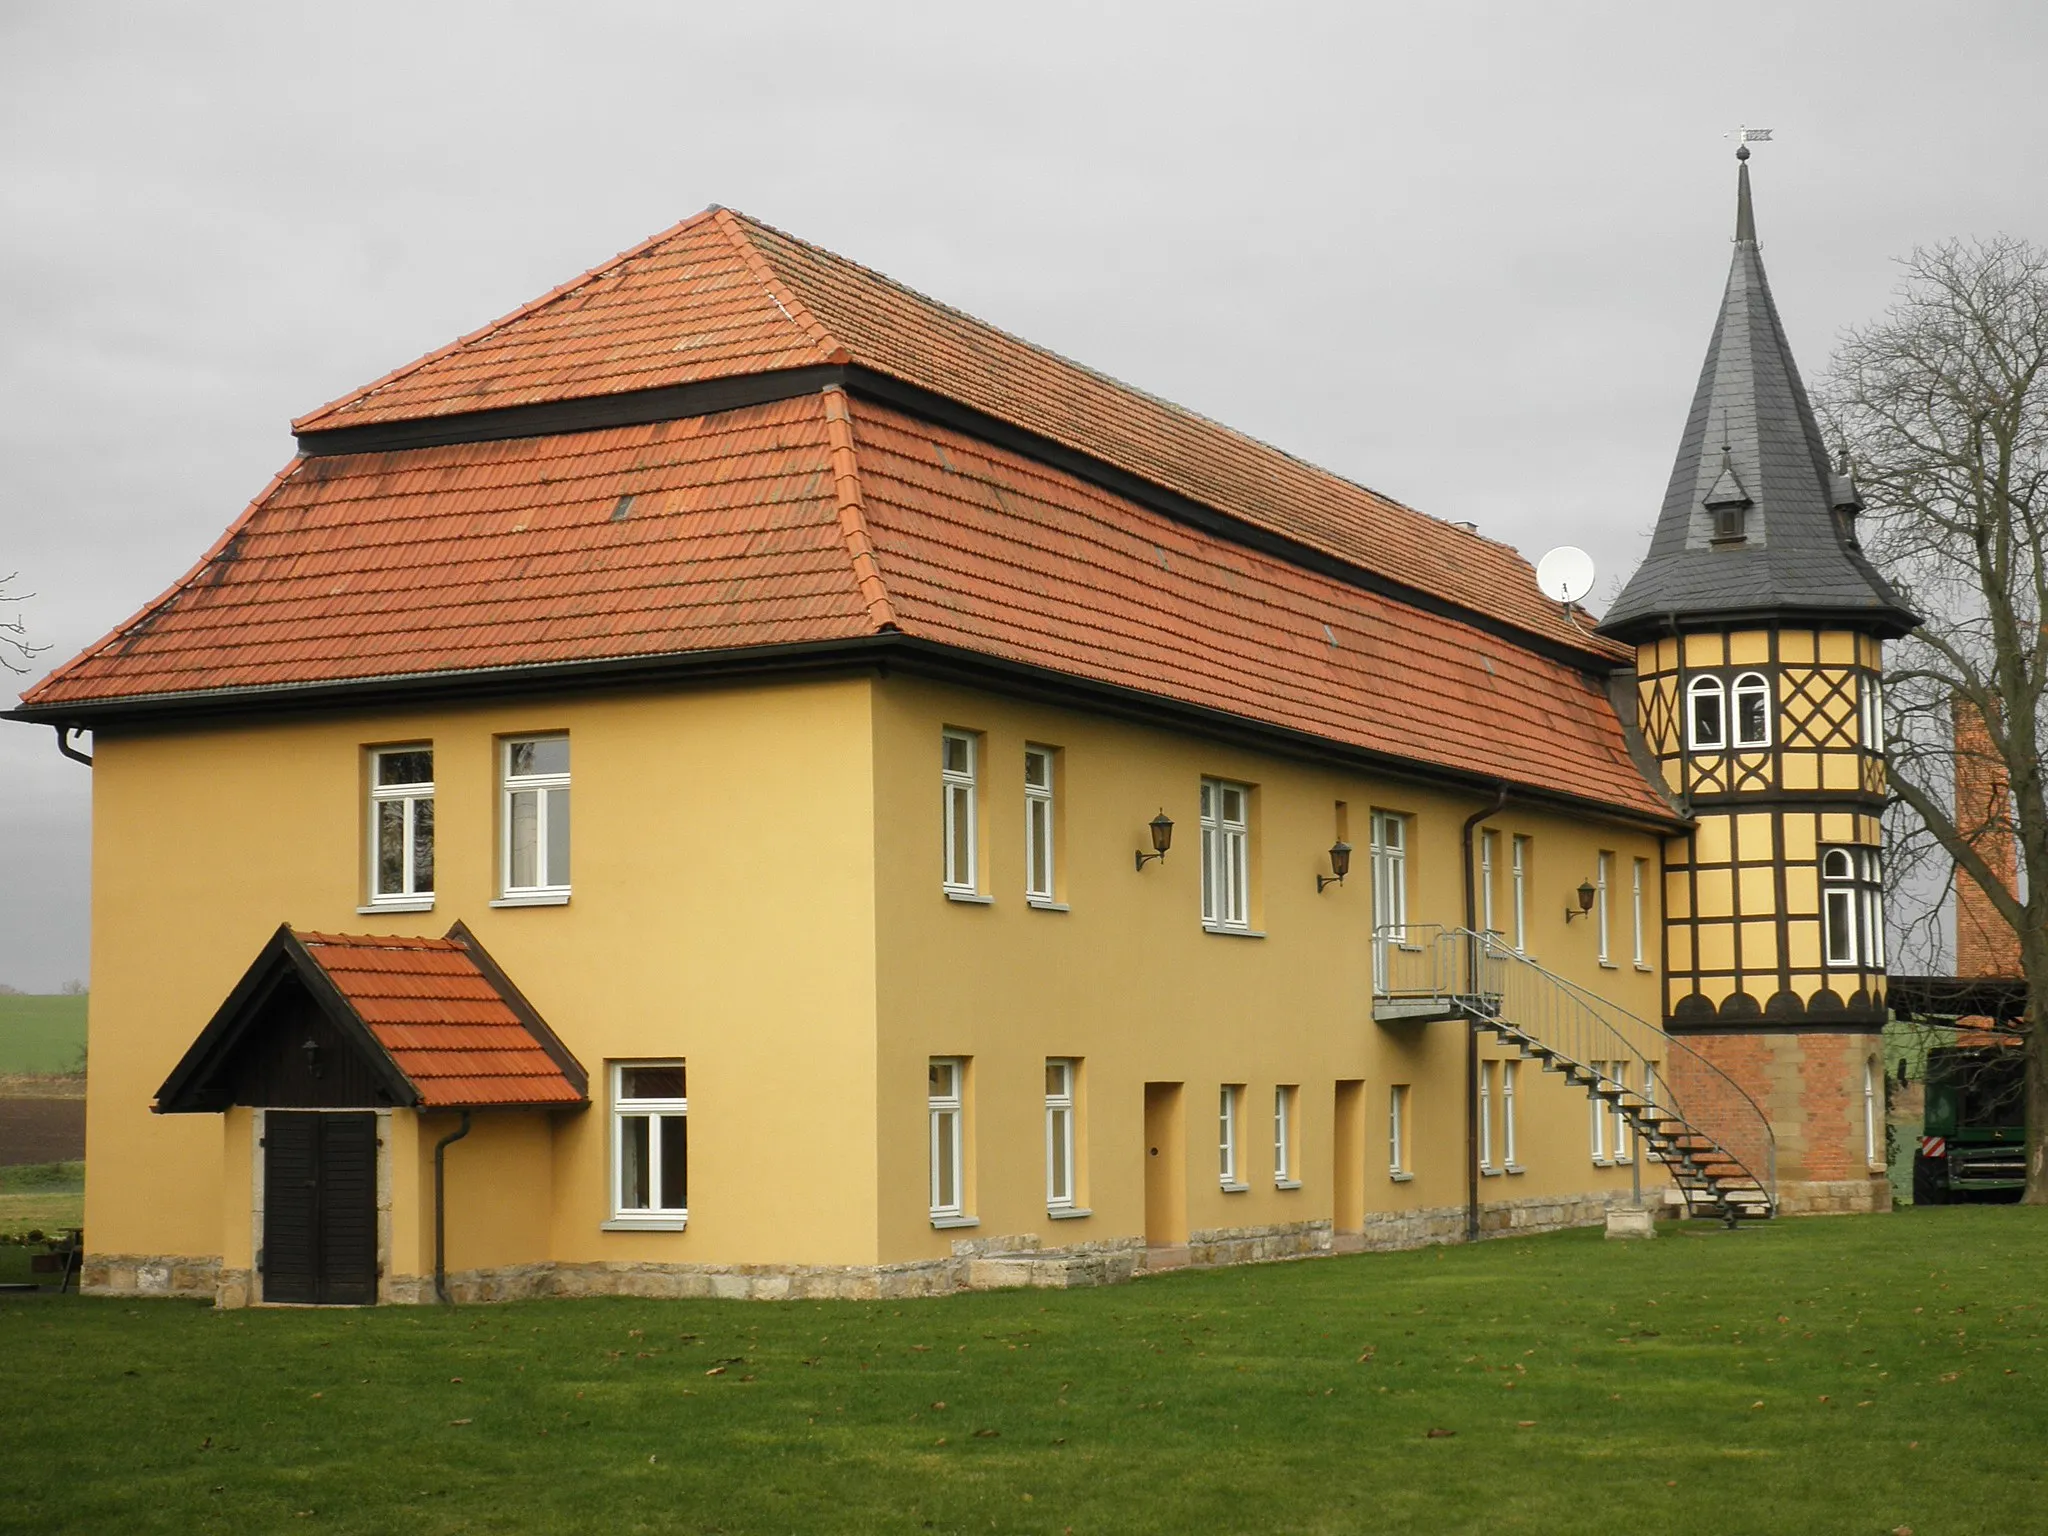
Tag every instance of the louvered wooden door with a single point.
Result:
(320, 1208)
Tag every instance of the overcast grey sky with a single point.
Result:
(1467, 254)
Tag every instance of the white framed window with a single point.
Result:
(1870, 707)
(958, 754)
(1039, 825)
(650, 1144)
(1624, 1145)
(1870, 868)
(535, 814)
(402, 826)
(1060, 1073)
(1389, 853)
(1752, 710)
(1398, 1131)
(1487, 1070)
(1229, 1112)
(1489, 847)
(1603, 866)
(1873, 1142)
(1598, 1122)
(945, 1094)
(1650, 1083)
(1509, 1070)
(1226, 854)
(1636, 907)
(1285, 1097)
(1518, 876)
(1840, 898)
(1707, 714)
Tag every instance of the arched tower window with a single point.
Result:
(1852, 906)
(1838, 906)
(1752, 710)
(1707, 714)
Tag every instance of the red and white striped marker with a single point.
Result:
(1934, 1146)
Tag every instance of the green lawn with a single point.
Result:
(1847, 1375)
(47, 1197)
(41, 1034)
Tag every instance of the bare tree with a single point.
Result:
(1943, 406)
(15, 651)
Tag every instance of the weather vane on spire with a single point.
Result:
(1744, 137)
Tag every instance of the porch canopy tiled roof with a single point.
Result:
(830, 517)
(436, 1023)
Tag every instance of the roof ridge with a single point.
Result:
(302, 423)
(853, 522)
(170, 594)
(793, 308)
(1109, 379)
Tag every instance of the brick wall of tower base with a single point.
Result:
(1810, 1087)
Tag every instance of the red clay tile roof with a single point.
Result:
(457, 1038)
(721, 295)
(825, 518)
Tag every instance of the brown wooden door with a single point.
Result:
(320, 1208)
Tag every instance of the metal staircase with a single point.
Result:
(1720, 1152)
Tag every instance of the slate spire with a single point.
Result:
(1754, 525)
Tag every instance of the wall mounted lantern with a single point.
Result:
(1586, 895)
(1340, 866)
(312, 1050)
(1162, 838)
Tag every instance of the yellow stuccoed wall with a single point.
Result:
(756, 875)
(723, 912)
(1129, 981)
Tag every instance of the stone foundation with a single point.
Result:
(1835, 1197)
(130, 1274)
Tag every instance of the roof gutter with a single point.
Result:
(822, 657)
(64, 745)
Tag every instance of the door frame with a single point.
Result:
(258, 1119)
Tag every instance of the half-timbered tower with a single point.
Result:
(1759, 627)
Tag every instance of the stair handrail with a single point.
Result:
(1483, 947)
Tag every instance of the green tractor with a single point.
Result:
(1973, 1142)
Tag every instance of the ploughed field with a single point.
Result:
(1855, 1374)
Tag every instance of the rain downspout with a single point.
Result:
(441, 1206)
(1471, 1029)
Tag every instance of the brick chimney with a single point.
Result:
(1985, 942)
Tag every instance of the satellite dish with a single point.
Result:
(1565, 574)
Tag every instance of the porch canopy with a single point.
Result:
(345, 1021)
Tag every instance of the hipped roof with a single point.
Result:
(830, 518)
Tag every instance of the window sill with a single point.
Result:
(1287, 1183)
(1623, 1162)
(1647, 970)
(1514, 1168)
(532, 899)
(944, 1223)
(1233, 1189)
(971, 898)
(1067, 1212)
(1226, 931)
(1399, 1176)
(1489, 1173)
(1040, 904)
(398, 904)
(645, 1224)
(1609, 965)
(1601, 1162)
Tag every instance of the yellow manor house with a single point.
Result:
(739, 779)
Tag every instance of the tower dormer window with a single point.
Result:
(1707, 711)
(1752, 710)
(1729, 523)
